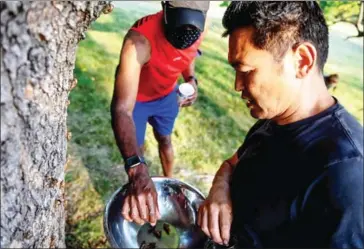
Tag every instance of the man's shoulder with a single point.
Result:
(147, 21)
(258, 125)
(351, 128)
(336, 139)
(145, 30)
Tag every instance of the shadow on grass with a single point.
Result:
(89, 121)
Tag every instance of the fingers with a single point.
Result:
(142, 207)
(199, 215)
(214, 225)
(152, 210)
(126, 209)
(134, 211)
(187, 102)
(192, 99)
(155, 198)
(205, 223)
(215, 221)
(225, 219)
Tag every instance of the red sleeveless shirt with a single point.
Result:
(159, 75)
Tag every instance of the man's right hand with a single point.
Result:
(215, 214)
(141, 203)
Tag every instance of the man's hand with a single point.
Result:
(141, 203)
(215, 214)
(190, 100)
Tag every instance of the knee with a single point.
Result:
(164, 141)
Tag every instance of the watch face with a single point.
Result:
(133, 161)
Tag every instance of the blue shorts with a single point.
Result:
(160, 114)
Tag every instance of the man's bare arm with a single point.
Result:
(140, 204)
(222, 179)
(223, 175)
(190, 71)
(134, 54)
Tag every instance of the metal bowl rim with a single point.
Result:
(155, 179)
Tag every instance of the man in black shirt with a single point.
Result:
(297, 180)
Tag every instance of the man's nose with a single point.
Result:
(239, 86)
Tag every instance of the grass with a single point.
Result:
(204, 134)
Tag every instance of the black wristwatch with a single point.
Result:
(133, 161)
(193, 78)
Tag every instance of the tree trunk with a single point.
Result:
(38, 47)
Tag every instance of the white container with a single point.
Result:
(185, 90)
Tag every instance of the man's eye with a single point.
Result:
(246, 69)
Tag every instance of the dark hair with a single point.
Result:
(280, 25)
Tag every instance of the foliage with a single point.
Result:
(224, 4)
(335, 11)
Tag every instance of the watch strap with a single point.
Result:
(133, 161)
(193, 78)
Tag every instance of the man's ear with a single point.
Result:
(305, 55)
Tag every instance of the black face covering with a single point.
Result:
(182, 38)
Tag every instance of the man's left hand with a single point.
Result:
(215, 214)
(192, 99)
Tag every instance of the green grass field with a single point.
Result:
(205, 134)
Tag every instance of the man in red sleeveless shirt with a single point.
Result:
(157, 49)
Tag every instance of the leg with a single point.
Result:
(166, 153)
(162, 121)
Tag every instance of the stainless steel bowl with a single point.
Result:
(178, 204)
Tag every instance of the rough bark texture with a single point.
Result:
(38, 47)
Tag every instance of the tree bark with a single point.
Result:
(38, 47)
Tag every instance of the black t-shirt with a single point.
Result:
(301, 185)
